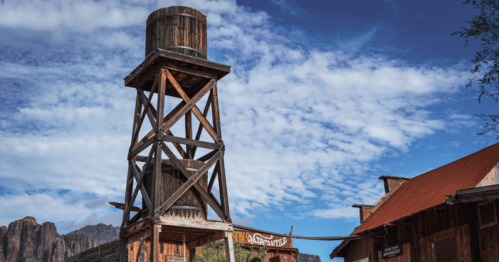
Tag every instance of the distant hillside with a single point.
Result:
(27, 241)
(307, 258)
(101, 233)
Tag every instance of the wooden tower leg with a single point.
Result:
(229, 247)
(155, 230)
(192, 254)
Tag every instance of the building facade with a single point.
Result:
(447, 214)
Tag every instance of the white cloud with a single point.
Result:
(302, 126)
(84, 16)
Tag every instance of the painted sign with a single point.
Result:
(257, 239)
(174, 258)
(392, 251)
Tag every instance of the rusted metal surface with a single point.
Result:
(430, 189)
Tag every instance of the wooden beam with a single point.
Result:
(205, 240)
(222, 185)
(229, 247)
(154, 252)
(200, 127)
(188, 132)
(135, 227)
(156, 175)
(151, 117)
(215, 110)
(188, 71)
(215, 200)
(161, 56)
(190, 142)
(213, 175)
(145, 196)
(139, 182)
(128, 194)
(197, 224)
(137, 123)
(177, 146)
(195, 110)
(122, 206)
(192, 254)
(186, 186)
(188, 106)
(207, 156)
(197, 187)
(140, 148)
(167, 117)
(136, 217)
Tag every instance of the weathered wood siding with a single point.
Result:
(489, 241)
(405, 257)
(108, 252)
(360, 249)
(177, 28)
(460, 234)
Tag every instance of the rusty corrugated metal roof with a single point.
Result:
(430, 189)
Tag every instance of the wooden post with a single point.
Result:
(192, 254)
(188, 133)
(191, 80)
(154, 253)
(183, 246)
(229, 247)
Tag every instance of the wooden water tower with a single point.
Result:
(175, 183)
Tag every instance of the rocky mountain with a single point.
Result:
(27, 241)
(101, 233)
(307, 258)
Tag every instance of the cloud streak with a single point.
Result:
(302, 126)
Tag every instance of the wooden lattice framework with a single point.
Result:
(169, 74)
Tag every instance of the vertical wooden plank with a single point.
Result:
(215, 110)
(459, 241)
(415, 240)
(188, 132)
(128, 196)
(183, 246)
(229, 247)
(123, 249)
(154, 248)
(222, 185)
(192, 255)
(157, 165)
(136, 118)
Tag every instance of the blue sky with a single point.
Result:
(323, 98)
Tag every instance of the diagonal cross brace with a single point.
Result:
(186, 186)
(195, 109)
(139, 182)
(141, 120)
(205, 195)
(179, 111)
(133, 168)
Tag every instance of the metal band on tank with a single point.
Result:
(179, 14)
(186, 47)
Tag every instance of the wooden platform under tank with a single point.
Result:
(191, 73)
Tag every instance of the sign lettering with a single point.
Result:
(258, 239)
(392, 251)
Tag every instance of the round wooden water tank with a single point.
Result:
(177, 28)
(190, 205)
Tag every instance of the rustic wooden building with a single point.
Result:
(447, 214)
(278, 249)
